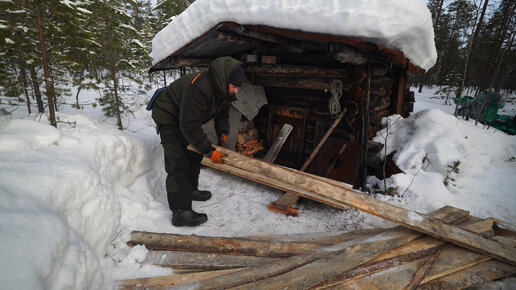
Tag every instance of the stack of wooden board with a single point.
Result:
(369, 259)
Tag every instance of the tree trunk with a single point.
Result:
(35, 88)
(23, 81)
(470, 52)
(77, 96)
(48, 84)
(112, 68)
(442, 70)
(509, 45)
(477, 32)
(497, 48)
(21, 62)
(436, 23)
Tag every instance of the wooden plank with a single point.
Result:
(333, 182)
(401, 276)
(278, 143)
(326, 238)
(375, 266)
(509, 241)
(285, 208)
(483, 227)
(272, 183)
(484, 272)
(451, 259)
(397, 277)
(506, 229)
(294, 146)
(316, 189)
(277, 184)
(263, 271)
(285, 201)
(220, 245)
(205, 261)
(318, 271)
(289, 264)
(430, 242)
(189, 260)
(423, 271)
(165, 282)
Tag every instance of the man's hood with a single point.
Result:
(221, 70)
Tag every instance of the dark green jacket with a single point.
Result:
(194, 99)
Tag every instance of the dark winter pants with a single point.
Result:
(183, 167)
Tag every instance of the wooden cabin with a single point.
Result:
(305, 77)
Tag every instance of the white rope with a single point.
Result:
(334, 102)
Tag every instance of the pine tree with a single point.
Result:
(440, 32)
(15, 36)
(462, 13)
(126, 55)
(168, 9)
(470, 49)
(48, 39)
(492, 65)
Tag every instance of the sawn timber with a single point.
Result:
(316, 188)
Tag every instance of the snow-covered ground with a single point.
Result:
(69, 197)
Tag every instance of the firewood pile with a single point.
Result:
(248, 143)
(392, 258)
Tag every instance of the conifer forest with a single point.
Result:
(48, 47)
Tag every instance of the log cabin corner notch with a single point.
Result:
(296, 69)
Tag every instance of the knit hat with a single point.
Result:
(237, 78)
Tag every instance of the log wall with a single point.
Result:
(293, 88)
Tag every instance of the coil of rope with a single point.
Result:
(334, 102)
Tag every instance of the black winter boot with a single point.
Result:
(188, 218)
(201, 195)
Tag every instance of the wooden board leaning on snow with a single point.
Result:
(314, 187)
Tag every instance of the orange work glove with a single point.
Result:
(223, 140)
(216, 157)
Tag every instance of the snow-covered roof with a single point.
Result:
(404, 25)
